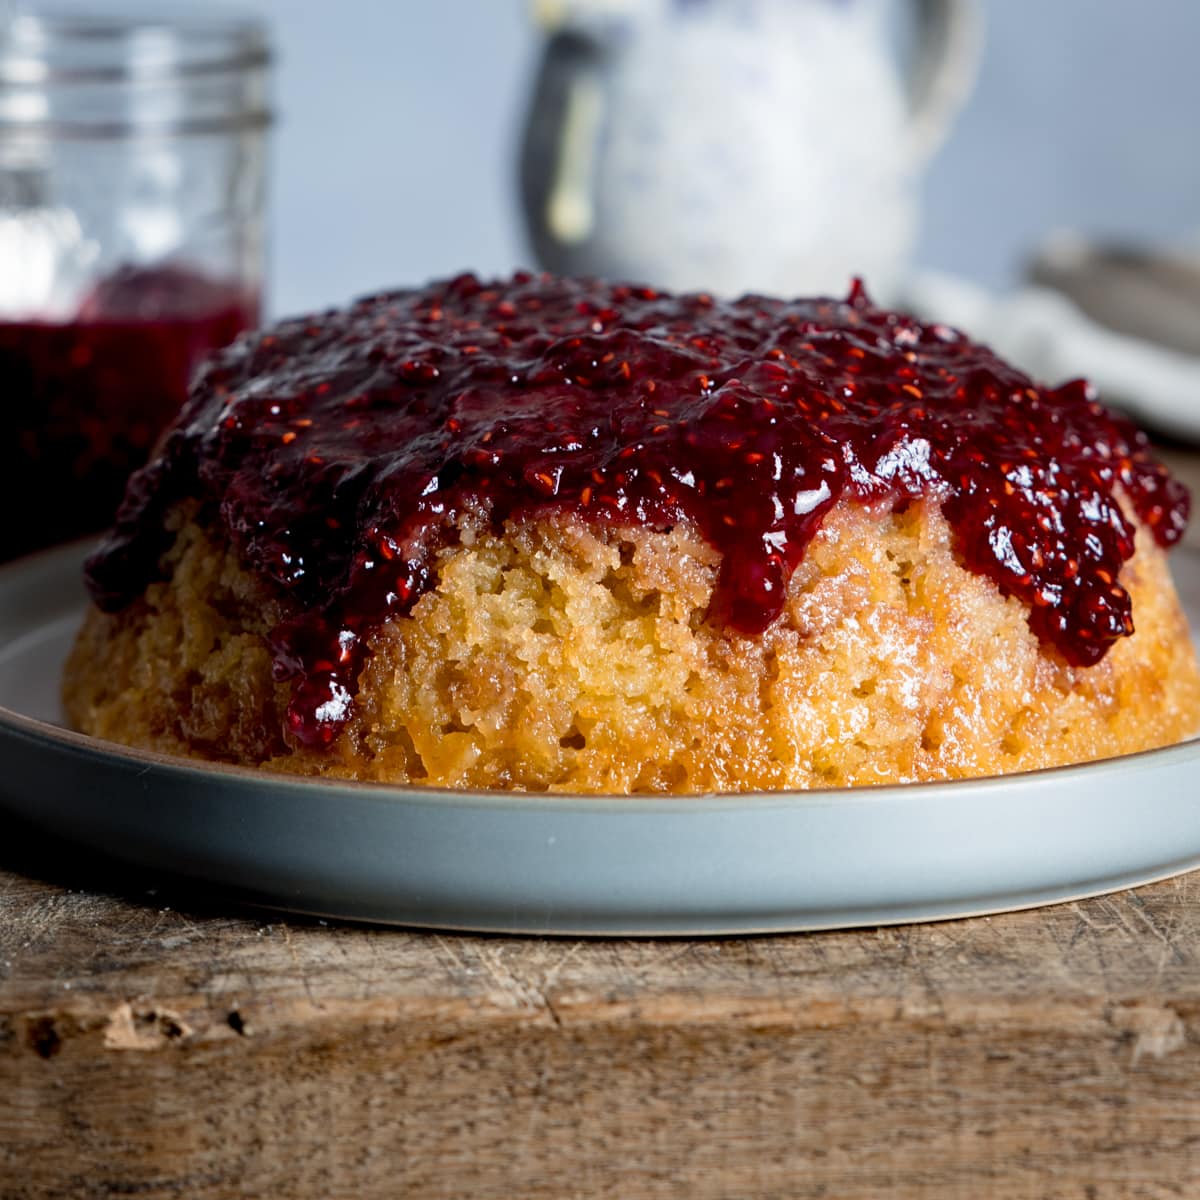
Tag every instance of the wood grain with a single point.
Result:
(159, 1050)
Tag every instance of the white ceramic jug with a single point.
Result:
(738, 145)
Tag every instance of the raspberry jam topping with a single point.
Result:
(337, 453)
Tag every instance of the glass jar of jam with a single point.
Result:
(131, 245)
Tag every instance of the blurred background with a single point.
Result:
(399, 127)
(394, 156)
(1025, 170)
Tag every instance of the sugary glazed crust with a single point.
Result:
(557, 656)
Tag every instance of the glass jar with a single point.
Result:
(131, 245)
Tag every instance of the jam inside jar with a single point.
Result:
(131, 245)
(85, 400)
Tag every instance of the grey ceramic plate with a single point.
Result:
(560, 864)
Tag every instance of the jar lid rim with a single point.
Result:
(37, 132)
(33, 47)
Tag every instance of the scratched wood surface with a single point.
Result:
(153, 1047)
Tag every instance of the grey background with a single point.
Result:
(393, 157)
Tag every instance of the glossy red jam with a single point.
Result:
(84, 400)
(337, 452)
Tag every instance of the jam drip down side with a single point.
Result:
(338, 453)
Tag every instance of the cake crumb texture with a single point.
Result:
(554, 655)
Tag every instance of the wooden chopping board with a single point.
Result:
(152, 1048)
